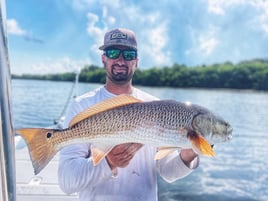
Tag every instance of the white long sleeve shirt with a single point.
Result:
(137, 181)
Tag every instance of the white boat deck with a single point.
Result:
(41, 187)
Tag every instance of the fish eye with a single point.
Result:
(49, 135)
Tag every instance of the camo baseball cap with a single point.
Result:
(119, 36)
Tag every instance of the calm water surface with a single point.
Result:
(238, 172)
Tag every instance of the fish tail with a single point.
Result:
(40, 148)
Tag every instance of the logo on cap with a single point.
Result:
(118, 35)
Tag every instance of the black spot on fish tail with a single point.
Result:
(49, 135)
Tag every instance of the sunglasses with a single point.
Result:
(115, 53)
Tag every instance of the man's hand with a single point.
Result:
(121, 155)
(187, 156)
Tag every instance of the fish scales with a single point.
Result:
(150, 118)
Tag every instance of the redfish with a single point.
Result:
(164, 124)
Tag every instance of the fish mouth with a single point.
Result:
(229, 137)
(229, 133)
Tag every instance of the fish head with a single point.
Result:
(212, 127)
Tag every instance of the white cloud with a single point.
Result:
(81, 5)
(150, 28)
(110, 20)
(49, 65)
(262, 6)
(92, 29)
(154, 48)
(204, 44)
(115, 4)
(14, 28)
(207, 45)
(96, 34)
(219, 6)
(60, 65)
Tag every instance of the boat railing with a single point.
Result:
(7, 151)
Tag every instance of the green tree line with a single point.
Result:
(252, 74)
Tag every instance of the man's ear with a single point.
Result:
(103, 59)
(137, 62)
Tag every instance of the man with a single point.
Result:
(129, 171)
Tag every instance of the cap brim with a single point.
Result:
(103, 47)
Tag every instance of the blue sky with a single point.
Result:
(54, 36)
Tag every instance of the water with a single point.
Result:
(238, 172)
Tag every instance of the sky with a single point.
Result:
(56, 36)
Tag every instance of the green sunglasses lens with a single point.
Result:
(112, 53)
(115, 53)
(129, 54)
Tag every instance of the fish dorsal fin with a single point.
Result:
(107, 104)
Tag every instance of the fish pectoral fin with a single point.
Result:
(164, 151)
(98, 153)
(105, 105)
(201, 145)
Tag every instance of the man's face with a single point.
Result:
(119, 70)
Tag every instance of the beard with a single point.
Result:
(120, 74)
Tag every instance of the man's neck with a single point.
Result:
(118, 89)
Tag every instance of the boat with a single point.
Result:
(18, 181)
